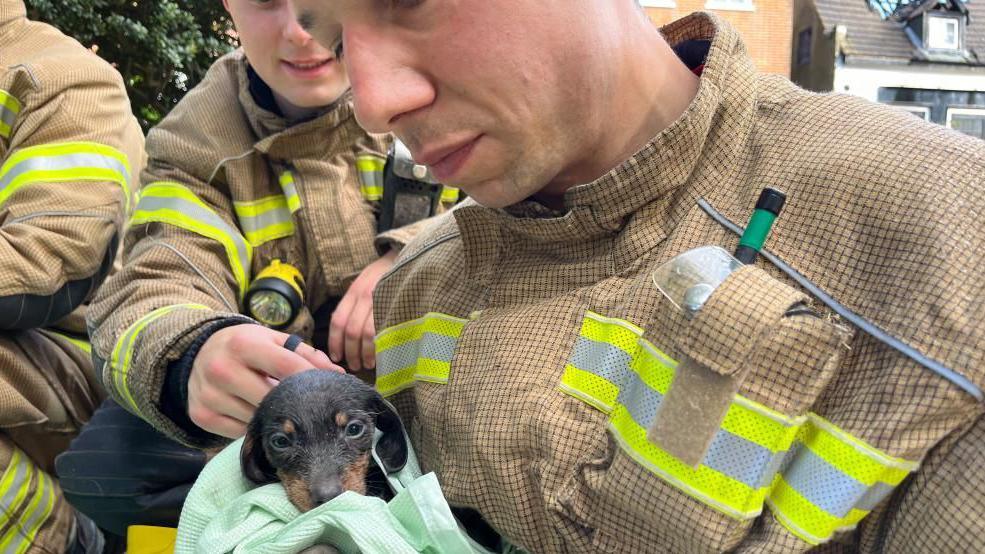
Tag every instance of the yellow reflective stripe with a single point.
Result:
(36, 514)
(603, 395)
(829, 481)
(265, 219)
(852, 456)
(846, 470)
(791, 509)
(621, 334)
(64, 162)
(449, 194)
(19, 483)
(745, 421)
(9, 108)
(416, 350)
(433, 322)
(85, 346)
(711, 487)
(370, 170)
(290, 191)
(655, 368)
(174, 204)
(123, 350)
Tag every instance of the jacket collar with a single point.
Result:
(720, 112)
(10, 11)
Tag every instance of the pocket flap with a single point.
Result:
(736, 318)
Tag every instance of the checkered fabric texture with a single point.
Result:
(53, 231)
(227, 150)
(882, 213)
(48, 391)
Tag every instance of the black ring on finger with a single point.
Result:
(292, 342)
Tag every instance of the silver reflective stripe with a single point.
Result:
(14, 479)
(605, 360)
(7, 117)
(822, 484)
(273, 216)
(62, 162)
(41, 506)
(874, 496)
(430, 346)
(730, 454)
(193, 211)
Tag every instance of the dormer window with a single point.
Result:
(943, 32)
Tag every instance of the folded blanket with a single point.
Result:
(225, 512)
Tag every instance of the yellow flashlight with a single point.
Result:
(276, 295)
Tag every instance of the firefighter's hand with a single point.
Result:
(236, 367)
(351, 332)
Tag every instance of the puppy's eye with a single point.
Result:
(280, 441)
(354, 429)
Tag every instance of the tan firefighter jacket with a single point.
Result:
(535, 363)
(229, 188)
(70, 150)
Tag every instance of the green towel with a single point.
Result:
(225, 512)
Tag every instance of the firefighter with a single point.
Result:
(534, 341)
(257, 220)
(70, 151)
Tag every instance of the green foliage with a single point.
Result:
(161, 47)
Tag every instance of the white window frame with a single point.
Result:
(730, 5)
(962, 111)
(658, 3)
(958, 32)
(911, 108)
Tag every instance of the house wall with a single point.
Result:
(818, 73)
(865, 80)
(765, 25)
(934, 90)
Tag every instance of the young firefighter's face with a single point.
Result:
(285, 56)
(496, 96)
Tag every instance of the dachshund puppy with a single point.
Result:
(313, 432)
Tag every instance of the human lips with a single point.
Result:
(446, 161)
(308, 67)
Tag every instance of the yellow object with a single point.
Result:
(145, 539)
(276, 295)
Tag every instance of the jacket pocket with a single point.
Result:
(636, 496)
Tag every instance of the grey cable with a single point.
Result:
(857, 320)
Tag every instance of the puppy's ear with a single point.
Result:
(253, 460)
(392, 447)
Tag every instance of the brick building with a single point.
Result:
(766, 25)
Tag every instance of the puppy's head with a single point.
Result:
(314, 431)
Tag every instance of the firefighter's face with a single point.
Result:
(284, 55)
(496, 96)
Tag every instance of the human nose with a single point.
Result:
(386, 82)
(293, 31)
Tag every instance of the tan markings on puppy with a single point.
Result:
(354, 476)
(288, 427)
(341, 419)
(297, 491)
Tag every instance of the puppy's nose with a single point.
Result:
(323, 492)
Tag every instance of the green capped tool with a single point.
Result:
(768, 207)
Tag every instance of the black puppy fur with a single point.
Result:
(314, 431)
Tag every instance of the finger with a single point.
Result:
(215, 422)
(369, 345)
(250, 386)
(235, 408)
(226, 426)
(273, 359)
(354, 336)
(318, 359)
(336, 329)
